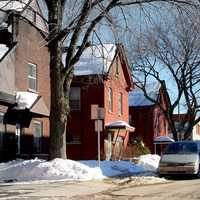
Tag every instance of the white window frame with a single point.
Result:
(110, 99)
(120, 104)
(30, 77)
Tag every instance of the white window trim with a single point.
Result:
(33, 78)
(110, 99)
(120, 104)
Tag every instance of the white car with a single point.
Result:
(180, 158)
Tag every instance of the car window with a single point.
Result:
(181, 148)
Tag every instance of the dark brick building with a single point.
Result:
(25, 84)
(146, 116)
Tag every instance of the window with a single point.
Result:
(110, 100)
(117, 66)
(32, 77)
(37, 136)
(2, 130)
(120, 104)
(74, 138)
(75, 98)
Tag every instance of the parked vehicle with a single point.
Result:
(180, 158)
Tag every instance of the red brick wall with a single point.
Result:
(80, 121)
(118, 84)
(149, 122)
(143, 121)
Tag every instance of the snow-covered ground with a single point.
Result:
(59, 169)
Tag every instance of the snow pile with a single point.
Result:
(25, 99)
(149, 162)
(59, 169)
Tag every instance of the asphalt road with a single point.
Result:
(104, 190)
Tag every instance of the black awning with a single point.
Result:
(22, 117)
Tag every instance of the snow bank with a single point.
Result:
(59, 169)
(149, 162)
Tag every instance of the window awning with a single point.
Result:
(33, 102)
(163, 140)
(119, 125)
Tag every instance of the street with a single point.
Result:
(107, 189)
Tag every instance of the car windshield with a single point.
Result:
(181, 148)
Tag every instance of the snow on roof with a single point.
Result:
(119, 124)
(60, 169)
(3, 50)
(25, 99)
(95, 60)
(13, 5)
(137, 98)
(164, 139)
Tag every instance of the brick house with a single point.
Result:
(101, 77)
(181, 123)
(25, 83)
(146, 116)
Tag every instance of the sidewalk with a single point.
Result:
(61, 190)
(55, 190)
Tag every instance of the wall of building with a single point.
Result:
(31, 49)
(80, 122)
(143, 121)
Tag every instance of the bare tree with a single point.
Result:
(170, 54)
(73, 22)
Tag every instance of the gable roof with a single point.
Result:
(13, 5)
(26, 8)
(96, 59)
(137, 98)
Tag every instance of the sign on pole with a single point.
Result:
(97, 114)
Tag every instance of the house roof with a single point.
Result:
(31, 101)
(163, 139)
(119, 124)
(13, 5)
(137, 98)
(95, 60)
(24, 7)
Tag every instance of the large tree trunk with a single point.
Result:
(58, 108)
(58, 116)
